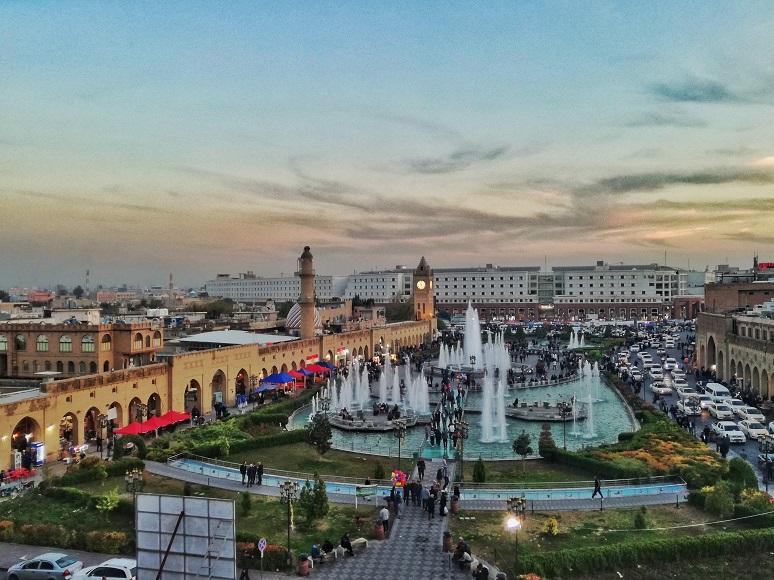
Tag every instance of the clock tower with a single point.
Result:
(424, 303)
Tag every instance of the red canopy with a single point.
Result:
(175, 417)
(295, 375)
(153, 423)
(316, 369)
(133, 428)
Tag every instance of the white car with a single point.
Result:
(689, 406)
(670, 363)
(634, 348)
(45, 566)
(656, 374)
(705, 401)
(661, 352)
(735, 405)
(678, 374)
(660, 388)
(721, 411)
(636, 374)
(679, 383)
(751, 413)
(124, 568)
(684, 391)
(752, 429)
(723, 428)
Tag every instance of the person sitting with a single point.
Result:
(327, 547)
(317, 551)
(459, 552)
(347, 544)
(481, 573)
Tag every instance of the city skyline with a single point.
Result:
(202, 138)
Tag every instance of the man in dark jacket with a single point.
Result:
(259, 473)
(251, 471)
(243, 471)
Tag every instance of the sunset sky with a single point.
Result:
(143, 138)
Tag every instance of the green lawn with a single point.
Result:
(532, 471)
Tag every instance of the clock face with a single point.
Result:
(421, 285)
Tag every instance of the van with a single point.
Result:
(718, 392)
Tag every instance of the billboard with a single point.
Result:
(185, 537)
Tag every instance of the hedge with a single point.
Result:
(215, 450)
(107, 542)
(82, 473)
(604, 469)
(650, 552)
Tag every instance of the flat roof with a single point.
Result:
(235, 338)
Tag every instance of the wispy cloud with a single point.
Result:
(656, 181)
(659, 119)
(767, 161)
(692, 89)
(456, 161)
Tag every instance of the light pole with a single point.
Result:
(289, 493)
(102, 422)
(464, 431)
(253, 385)
(140, 410)
(565, 409)
(513, 524)
(134, 481)
(399, 432)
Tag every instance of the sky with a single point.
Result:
(139, 139)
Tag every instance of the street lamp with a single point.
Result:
(767, 447)
(463, 428)
(399, 432)
(140, 409)
(472, 360)
(513, 524)
(102, 422)
(253, 386)
(565, 410)
(134, 481)
(323, 406)
(288, 494)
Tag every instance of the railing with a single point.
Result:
(608, 483)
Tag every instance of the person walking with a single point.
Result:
(442, 504)
(399, 503)
(243, 471)
(421, 468)
(425, 495)
(597, 488)
(431, 505)
(384, 517)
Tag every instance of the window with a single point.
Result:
(41, 345)
(25, 367)
(71, 367)
(136, 344)
(157, 337)
(87, 343)
(82, 368)
(3, 343)
(47, 365)
(59, 366)
(107, 345)
(65, 344)
(35, 366)
(21, 342)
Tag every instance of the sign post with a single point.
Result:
(262, 547)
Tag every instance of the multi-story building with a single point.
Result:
(251, 288)
(380, 286)
(73, 349)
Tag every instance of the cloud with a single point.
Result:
(656, 119)
(695, 90)
(655, 181)
(456, 161)
(767, 161)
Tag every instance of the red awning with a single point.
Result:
(295, 375)
(133, 428)
(316, 369)
(153, 423)
(175, 417)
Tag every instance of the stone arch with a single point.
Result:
(191, 396)
(93, 367)
(747, 377)
(702, 356)
(119, 420)
(284, 368)
(294, 365)
(274, 370)
(756, 380)
(106, 366)
(218, 385)
(366, 354)
(134, 410)
(329, 357)
(765, 386)
(68, 428)
(241, 382)
(712, 360)
(264, 373)
(154, 406)
(90, 427)
(720, 372)
(26, 431)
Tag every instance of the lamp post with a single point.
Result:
(565, 409)
(102, 422)
(399, 432)
(253, 386)
(323, 406)
(472, 361)
(140, 410)
(513, 524)
(464, 430)
(134, 481)
(289, 493)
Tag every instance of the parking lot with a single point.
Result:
(660, 352)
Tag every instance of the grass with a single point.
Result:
(488, 537)
(741, 567)
(537, 471)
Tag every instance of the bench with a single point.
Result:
(356, 543)
(325, 556)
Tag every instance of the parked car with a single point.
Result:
(689, 406)
(752, 429)
(684, 391)
(125, 568)
(659, 388)
(705, 401)
(720, 411)
(679, 383)
(723, 428)
(751, 413)
(48, 566)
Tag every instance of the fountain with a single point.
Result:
(590, 433)
(472, 341)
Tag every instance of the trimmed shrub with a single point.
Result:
(551, 527)
(479, 471)
(106, 542)
(68, 494)
(6, 530)
(114, 468)
(641, 519)
(741, 476)
(44, 535)
(720, 500)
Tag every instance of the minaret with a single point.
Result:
(171, 285)
(306, 273)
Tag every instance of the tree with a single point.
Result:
(320, 435)
(719, 500)
(108, 502)
(62, 292)
(741, 476)
(218, 308)
(78, 292)
(313, 500)
(479, 471)
(522, 446)
(546, 443)
(397, 311)
(4, 296)
(283, 308)
(247, 502)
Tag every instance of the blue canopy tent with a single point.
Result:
(278, 378)
(303, 371)
(265, 387)
(328, 365)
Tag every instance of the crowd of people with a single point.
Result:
(252, 474)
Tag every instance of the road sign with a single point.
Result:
(262, 545)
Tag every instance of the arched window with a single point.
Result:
(87, 343)
(147, 341)
(106, 344)
(82, 368)
(65, 344)
(3, 343)
(157, 338)
(93, 368)
(47, 365)
(21, 342)
(25, 367)
(59, 366)
(42, 343)
(137, 343)
(71, 367)
(35, 366)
